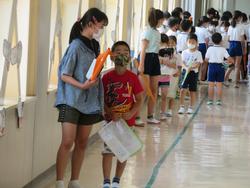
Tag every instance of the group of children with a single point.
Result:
(171, 61)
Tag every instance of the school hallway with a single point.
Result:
(205, 150)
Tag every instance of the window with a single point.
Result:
(11, 79)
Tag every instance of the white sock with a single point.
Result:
(74, 184)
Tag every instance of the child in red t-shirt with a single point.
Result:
(122, 98)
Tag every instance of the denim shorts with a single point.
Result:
(72, 115)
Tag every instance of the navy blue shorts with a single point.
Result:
(216, 72)
(191, 81)
(203, 49)
(235, 49)
(152, 64)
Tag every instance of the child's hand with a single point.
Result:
(177, 74)
(127, 116)
(141, 68)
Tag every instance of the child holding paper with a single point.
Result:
(122, 98)
(192, 58)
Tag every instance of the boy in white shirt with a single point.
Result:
(191, 59)
(215, 56)
(183, 35)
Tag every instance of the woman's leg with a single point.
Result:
(81, 141)
(68, 138)
(153, 81)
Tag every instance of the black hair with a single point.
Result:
(214, 23)
(228, 14)
(192, 29)
(211, 11)
(92, 15)
(173, 22)
(166, 15)
(186, 25)
(224, 18)
(179, 9)
(225, 24)
(237, 15)
(202, 20)
(120, 43)
(154, 16)
(244, 17)
(172, 37)
(192, 36)
(186, 15)
(216, 38)
(177, 12)
(164, 38)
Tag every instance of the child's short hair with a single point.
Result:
(172, 37)
(216, 38)
(120, 43)
(192, 36)
(186, 25)
(225, 24)
(173, 22)
(164, 38)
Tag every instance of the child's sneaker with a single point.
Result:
(163, 116)
(106, 185)
(169, 113)
(152, 120)
(59, 184)
(74, 184)
(181, 110)
(139, 122)
(218, 102)
(190, 110)
(226, 84)
(115, 185)
(209, 102)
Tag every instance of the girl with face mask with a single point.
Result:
(78, 100)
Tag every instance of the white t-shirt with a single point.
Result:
(225, 40)
(153, 36)
(182, 41)
(216, 54)
(235, 33)
(189, 57)
(202, 34)
(172, 33)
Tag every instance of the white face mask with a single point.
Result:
(191, 46)
(211, 28)
(165, 23)
(222, 29)
(98, 35)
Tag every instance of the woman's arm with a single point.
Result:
(70, 80)
(144, 45)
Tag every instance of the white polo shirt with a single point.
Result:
(236, 33)
(216, 54)
(202, 34)
(182, 41)
(172, 33)
(189, 57)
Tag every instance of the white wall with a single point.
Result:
(243, 5)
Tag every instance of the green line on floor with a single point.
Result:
(168, 151)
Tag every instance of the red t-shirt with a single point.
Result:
(119, 92)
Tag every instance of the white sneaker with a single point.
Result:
(74, 184)
(115, 185)
(163, 116)
(106, 185)
(169, 113)
(139, 122)
(60, 184)
(181, 110)
(190, 111)
(153, 121)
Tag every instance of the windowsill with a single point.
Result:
(12, 103)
